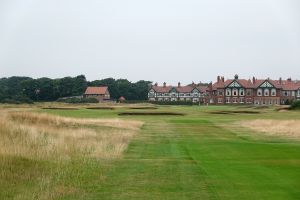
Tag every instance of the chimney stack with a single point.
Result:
(155, 84)
(289, 79)
(193, 84)
(210, 86)
(223, 80)
(179, 85)
(236, 77)
(165, 84)
(218, 79)
(280, 81)
(253, 80)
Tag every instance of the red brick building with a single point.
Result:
(255, 91)
(100, 93)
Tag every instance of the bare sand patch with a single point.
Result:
(284, 128)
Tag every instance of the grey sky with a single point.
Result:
(158, 40)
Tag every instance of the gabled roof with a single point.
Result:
(275, 83)
(184, 89)
(290, 85)
(202, 89)
(279, 84)
(243, 82)
(96, 90)
(181, 89)
(162, 89)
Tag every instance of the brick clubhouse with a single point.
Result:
(230, 91)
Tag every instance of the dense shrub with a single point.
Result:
(295, 105)
(17, 100)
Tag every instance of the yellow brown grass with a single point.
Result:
(284, 128)
(42, 136)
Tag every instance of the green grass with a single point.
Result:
(196, 156)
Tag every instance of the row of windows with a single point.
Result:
(290, 93)
(266, 92)
(241, 92)
(235, 100)
(266, 102)
(174, 94)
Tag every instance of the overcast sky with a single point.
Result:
(157, 40)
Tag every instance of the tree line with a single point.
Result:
(25, 89)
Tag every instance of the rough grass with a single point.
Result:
(43, 156)
(284, 128)
(44, 136)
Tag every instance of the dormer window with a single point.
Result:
(259, 92)
(235, 92)
(266, 92)
(228, 92)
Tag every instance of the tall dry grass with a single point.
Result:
(284, 128)
(45, 136)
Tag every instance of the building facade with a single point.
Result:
(99, 93)
(188, 93)
(255, 91)
(234, 91)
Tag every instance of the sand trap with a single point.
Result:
(286, 128)
(152, 113)
(230, 112)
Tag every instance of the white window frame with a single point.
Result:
(266, 92)
(248, 100)
(228, 92)
(273, 92)
(250, 92)
(259, 92)
(242, 92)
(236, 91)
(227, 99)
(220, 100)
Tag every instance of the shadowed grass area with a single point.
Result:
(197, 156)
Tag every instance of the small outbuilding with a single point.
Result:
(122, 99)
(99, 93)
